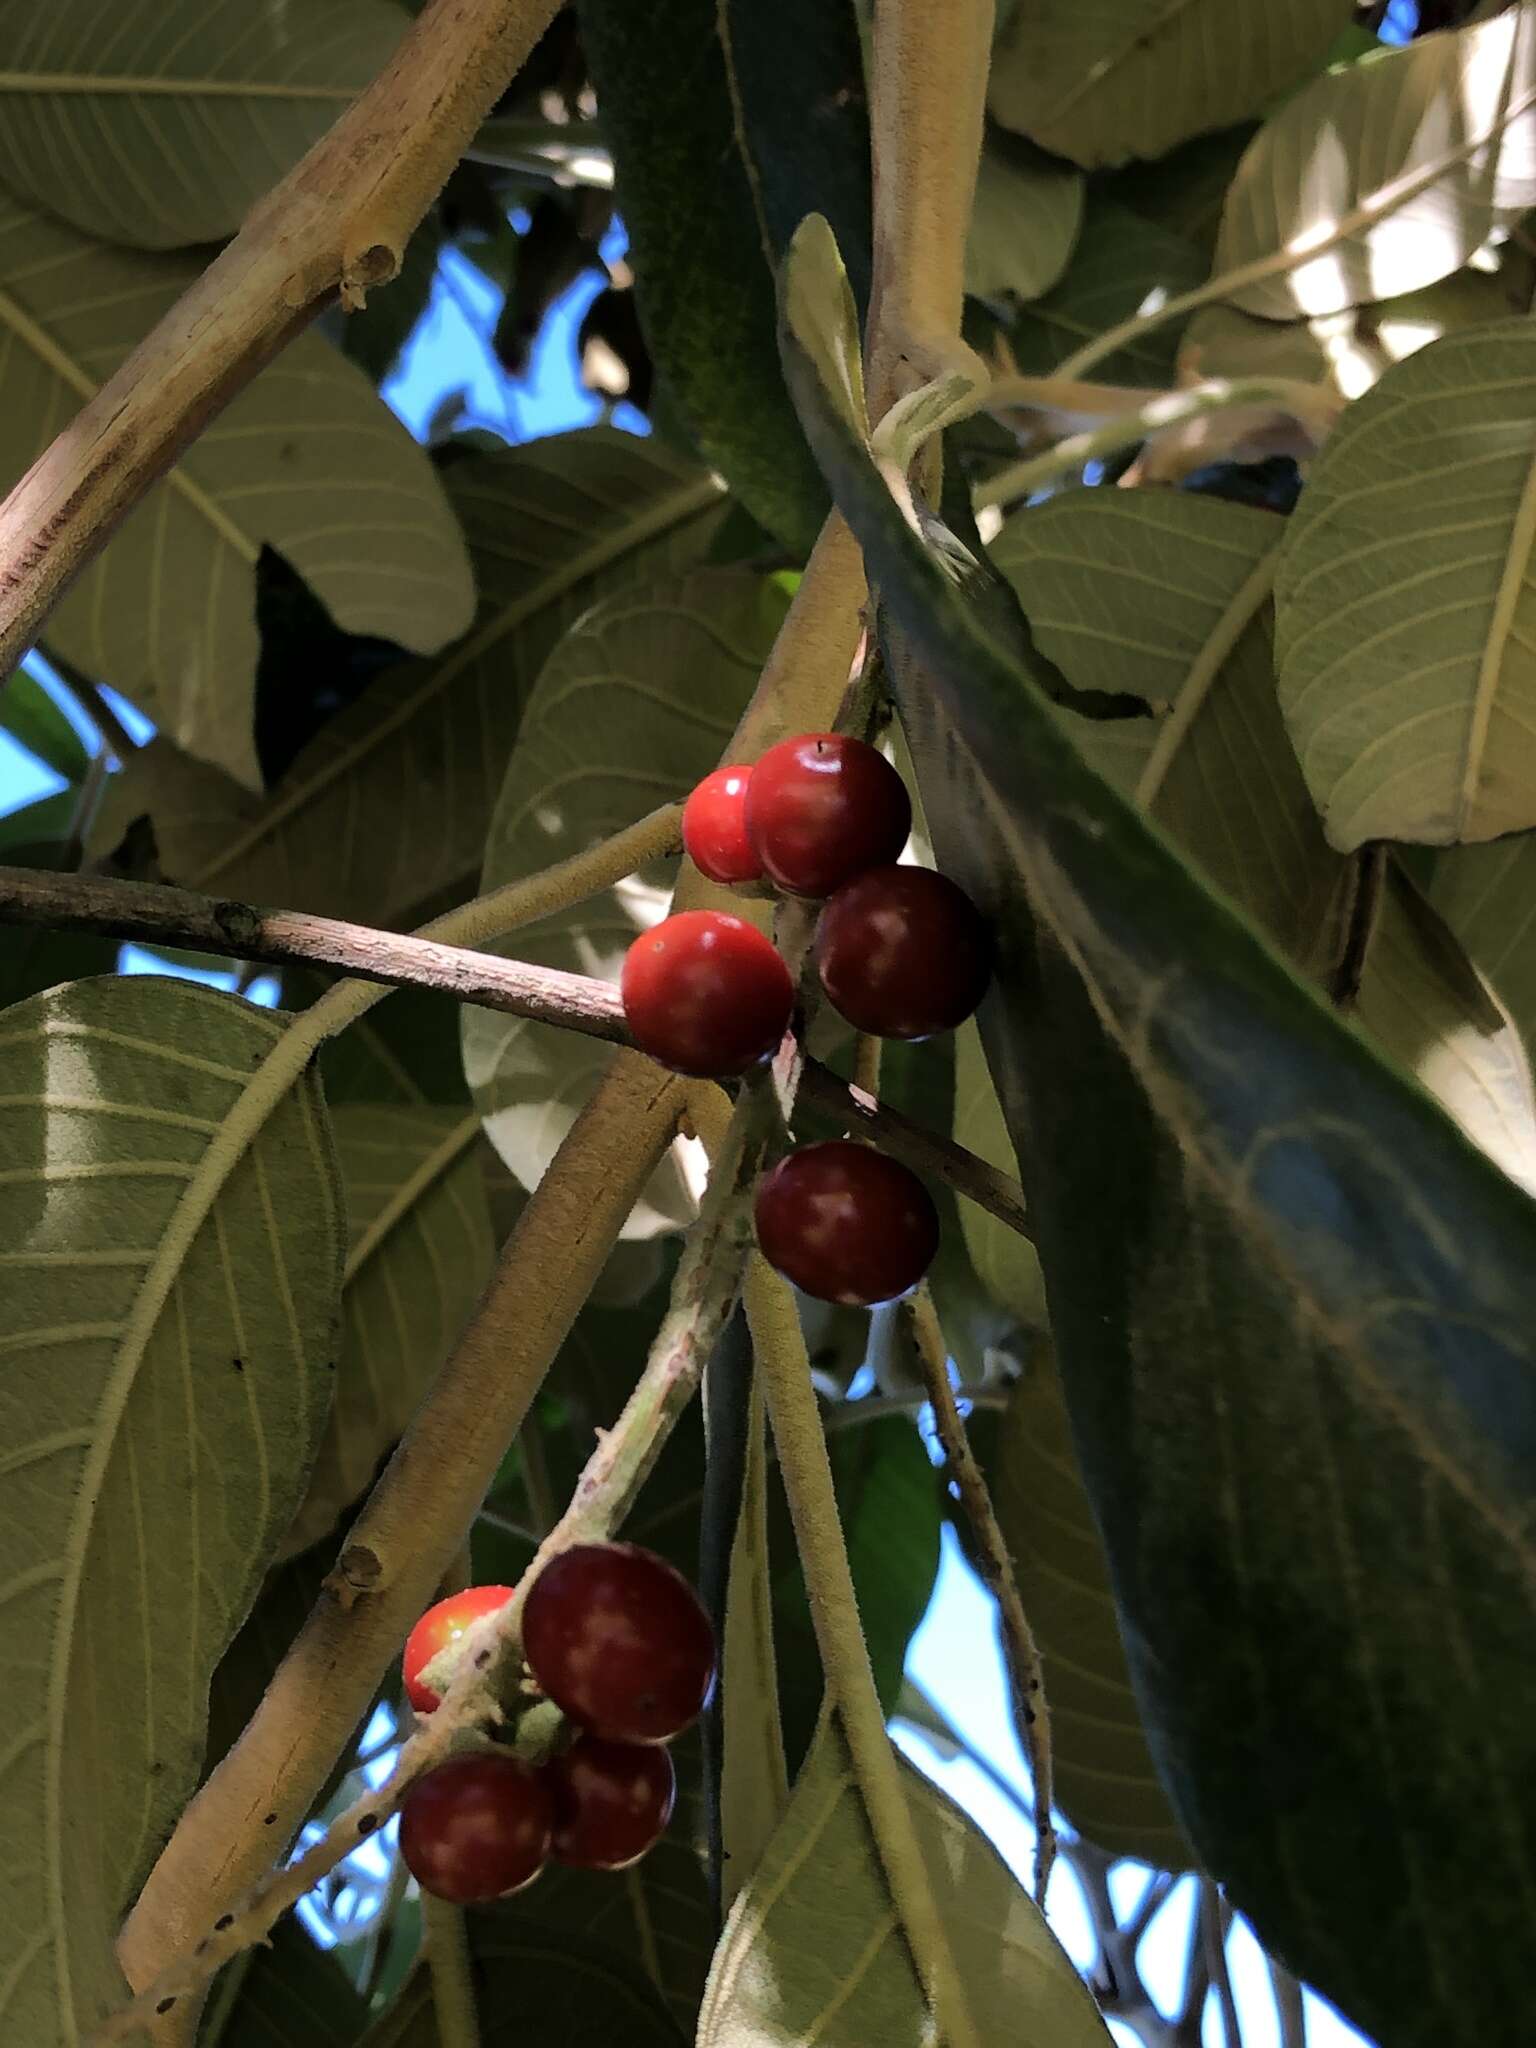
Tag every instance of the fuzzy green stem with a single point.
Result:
(453, 1982)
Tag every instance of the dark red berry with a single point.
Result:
(437, 1628)
(476, 1828)
(822, 808)
(846, 1223)
(715, 828)
(612, 1801)
(618, 1640)
(705, 993)
(903, 952)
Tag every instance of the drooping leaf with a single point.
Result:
(419, 1253)
(631, 709)
(167, 614)
(812, 1950)
(166, 125)
(291, 1995)
(728, 124)
(387, 809)
(1006, 1263)
(1106, 1783)
(34, 721)
(1385, 176)
(1406, 616)
(1132, 78)
(172, 1270)
(1024, 220)
(1486, 895)
(1291, 1306)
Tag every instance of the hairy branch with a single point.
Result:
(339, 221)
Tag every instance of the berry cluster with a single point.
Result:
(617, 1639)
(901, 952)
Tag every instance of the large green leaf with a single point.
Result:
(1024, 220)
(1005, 1262)
(1126, 78)
(1185, 191)
(632, 708)
(307, 459)
(729, 123)
(812, 1950)
(1406, 617)
(1106, 1783)
(170, 1316)
(387, 809)
(32, 958)
(165, 123)
(1384, 176)
(419, 1251)
(1292, 1306)
(1487, 894)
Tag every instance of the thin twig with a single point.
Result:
(1214, 1922)
(453, 1984)
(1290, 2006)
(92, 699)
(1020, 1652)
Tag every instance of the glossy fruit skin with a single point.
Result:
(618, 1640)
(612, 1801)
(715, 828)
(846, 1223)
(823, 807)
(705, 993)
(903, 952)
(477, 1828)
(437, 1628)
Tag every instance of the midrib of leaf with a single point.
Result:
(85, 388)
(1137, 39)
(408, 1194)
(1517, 562)
(739, 130)
(671, 510)
(269, 1085)
(1240, 612)
(168, 88)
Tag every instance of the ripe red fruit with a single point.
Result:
(618, 1640)
(903, 952)
(437, 1628)
(715, 828)
(705, 993)
(612, 1801)
(846, 1223)
(822, 808)
(476, 1828)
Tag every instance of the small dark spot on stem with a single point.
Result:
(238, 1364)
(165, 2005)
(482, 1660)
(270, 1821)
(368, 1823)
(224, 1920)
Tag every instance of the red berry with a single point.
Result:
(903, 952)
(437, 1628)
(618, 1640)
(476, 1828)
(705, 993)
(846, 1223)
(715, 828)
(612, 1801)
(822, 808)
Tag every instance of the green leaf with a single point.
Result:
(292, 1995)
(34, 721)
(1131, 78)
(167, 614)
(1106, 1783)
(170, 1311)
(1024, 220)
(634, 705)
(728, 124)
(1121, 262)
(1385, 176)
(167, 128)
(1006, 1263)
(1292, 1311)
(386, 811)
(812, 1950)
(419, 1252)
(1185, 191)
(1406, 601)
(405, 1051)
(33, 958)
(1485, 894)
(540, 1987)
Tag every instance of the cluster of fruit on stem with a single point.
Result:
(618, 1641)
(901, 952)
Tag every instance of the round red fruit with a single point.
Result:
(618, 1640)
(715, 828)
(612, 1801)
(476, 1828)
(705, 993)
(846, 1223)
(822, 808)
(903, 952)
(437, 1628)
